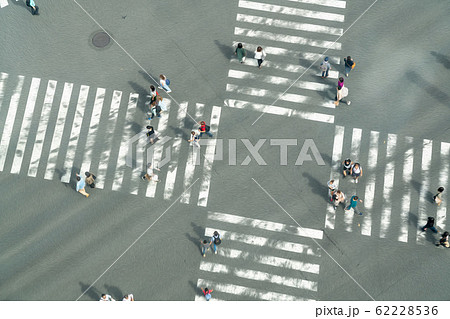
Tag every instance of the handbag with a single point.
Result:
(167, 81)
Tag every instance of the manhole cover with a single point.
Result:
(101, 39)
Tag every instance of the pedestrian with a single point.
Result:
(331, 188)
(153, 93)
(195, 138)
(204, 129)
(260, 55)
(150, 134)
(356, 171)
(438, 197)
(241, 53)
(207, 293)
(444, 240)
(353, 204)
(430, 225)
(347, 165)
(205, 246)
(90, 179)
(128, 297)
(349, 65)
(341, 92)
(150, 176)
(106, 297)
(338, 197)
(33, 6)
(164, 83)
(325, 67)
(215, 241)
(80, 186)
(155, 110)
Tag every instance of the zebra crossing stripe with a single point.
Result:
(26, 124)
(289, 24)
(92, 132)
(291, 11)
(245, 291)
(209, 158)
(369, 194)
(58, 132)
(42, 129)
(356, 142)
(328, 3)
(244, 32)
(9, 122)
(408, 166)
(127, 135)
(75, 133)
(3, 78)
(3, 3)
(422, 210)
(259, 276)
(441, 215)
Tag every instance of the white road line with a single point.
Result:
(441, 215)
(266, 242)
(92, 132)
(291, 11)
(26, 124)
(176, 145)
(75, 133)
(9, 122)
(277, 80)
(290, 53)
(388, 186)
(209, 158)
(259, 276)
(244, 32)
(266, 225)
(3, 3)
(107, 144)
(58, 132)
(336, 160)
(408, 166)
(289, 24)
(3, 78)
(425, 187)
(127, 135)
(42, 128)
(158, 148)
(356, 143)
(369, 194)
(245, 291)
(328, 3)
(273, 109)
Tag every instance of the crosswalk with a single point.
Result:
(260, 260)
(396, 173)
(52, 130)
(293, 35)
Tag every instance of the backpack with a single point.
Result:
(207, 128)
(217, 240)
(167, 81)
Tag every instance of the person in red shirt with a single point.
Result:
(204, 129)
(207, 293)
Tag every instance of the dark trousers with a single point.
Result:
(260, 61)
(35, 10)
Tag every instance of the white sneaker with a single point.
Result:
(215, 252)
(349, 102)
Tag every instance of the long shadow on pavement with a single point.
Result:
(93, 293)
(442, 59)
(431, 89)
(114, 291)
(226, 50)
(316, 186)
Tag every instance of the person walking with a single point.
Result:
(215, 241)
(430, 225)
(80, 186)
(164, 83)
(260, 55)
(207, 293)
(106, 297)
(151, 134)
(153, 93)
(331, 188)
(438, 197)
(240, 52)
(204, 129)
(353, 204)
(90, 179)
(338, 198)
(155, 110)
(341, 92)
(205, 246)
(349, 65)
(195, 138)
(34, 8)
(325, 67)
(346, 166)
(128, 297)
(444, 240)
(356, 171)
(150, 175)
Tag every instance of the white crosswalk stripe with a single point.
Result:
(86, 132)
(283, 266)
(401, 182)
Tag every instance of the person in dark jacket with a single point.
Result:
(33, 6)
(349, 65)
(430, 225)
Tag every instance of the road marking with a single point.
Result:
(328, 3)
(244, 32)
(58, 132)
(3, 78)
(26, 124)
(75, 133)
(291, 11)
(424, 188)
(124, 144)
(356, 143)
(441, 215)
(107, 144)
(289, 24)
(259, 276)
(9, 122)
(209, 158)
(408, 166)
(92, 133)
(42, 128)
(266, 225)
(3, 3)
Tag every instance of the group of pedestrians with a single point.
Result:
(341, 89)
(443, 241)
(259, 54)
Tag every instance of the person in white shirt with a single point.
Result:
(106, 297)
(150, 176)
(128, 297)
(195, 138)
(332, 187)
(260, 55)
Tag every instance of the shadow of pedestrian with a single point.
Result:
(317, 187)
(428, 196)
(195, 288)
(93, 293)
(431, 89)
(143, 92)
(226, 50)
(179, 131)
(442, 59)
(20, 3)
(430, 237)
(114, 291)
(412, 219)
(150, 78)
